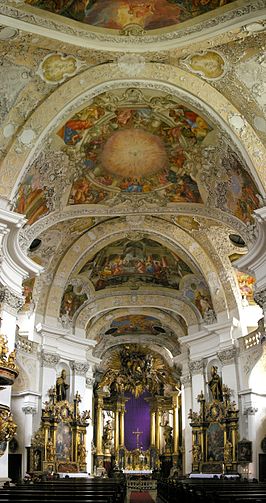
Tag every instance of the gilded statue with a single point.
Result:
(50, 451)
(82, 454)
(168, 434)
(3, 347)
(61, 387)
(107, 434)
(215, 385)
(228, 448)
(196, 453)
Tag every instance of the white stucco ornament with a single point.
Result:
(131, 64)
(237, 122)
(27, 136)
(8, 130)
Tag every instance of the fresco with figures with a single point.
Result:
(116, 14)
(114, 148)
(132, 264)
(157, 147)
(71, 301)
(135, 324)
(145, 261)
(246, 285)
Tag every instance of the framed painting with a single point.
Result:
(244, 451)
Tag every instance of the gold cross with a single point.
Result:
(137, 433)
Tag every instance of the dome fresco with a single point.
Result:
(116, 14)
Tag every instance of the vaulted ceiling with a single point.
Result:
(132, 139)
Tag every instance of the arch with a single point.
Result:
(89, 243)
(178, 82)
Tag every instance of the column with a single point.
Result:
(122, 428)
(153, 427)
(196, 368)
(9, 305)
(187, 440)
(99, 425)
(175, 423)
(48, 363)
(158, 420)
(88, 404)
(229, 373)
(29, 412)
(116, 436)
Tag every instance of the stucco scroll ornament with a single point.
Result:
(89, 382)
(196, 367)
(260, 298)
(11, 299)
(79, 368)
(49, 359)
(186, 380)
(29, 409)
(227, 356)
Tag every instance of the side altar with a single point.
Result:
(215, 431)
(59, 445)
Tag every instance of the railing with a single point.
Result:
(141, 485)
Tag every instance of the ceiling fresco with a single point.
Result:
(134, 264)
(135, 324)
(134, 150)
(116, 14)
(144, 261)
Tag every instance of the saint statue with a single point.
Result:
(108, 434)
(61, 386)
(50, 451)
(215, 385)
(167, 433)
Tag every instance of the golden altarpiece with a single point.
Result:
(133, 370)
(60, 443)
(215, 434)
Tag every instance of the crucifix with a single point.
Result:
(137, 433)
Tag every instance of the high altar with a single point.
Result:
(138, 374)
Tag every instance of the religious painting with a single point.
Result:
(115, 14)
(71, 301)
(215, 442)
(135, 324)
(31, 199)
(244, 451)
(63, 442)
(28, 286)
(129, 261)
(196, 291)
(246, 285)
(241, 194)
(114, 145)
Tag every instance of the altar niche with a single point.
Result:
(60, 443)
(140, 398)
(215, 434)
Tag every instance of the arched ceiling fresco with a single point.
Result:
(137, 143)
(134, 165)
(116, 14)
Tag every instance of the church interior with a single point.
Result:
(133, 243)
